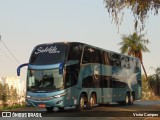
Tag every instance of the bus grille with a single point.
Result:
(41, 99)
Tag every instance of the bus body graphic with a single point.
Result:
(76, 74)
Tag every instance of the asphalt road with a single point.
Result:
(148, 110)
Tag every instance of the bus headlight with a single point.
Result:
(57, 96)
(60, 95)
(28, 96)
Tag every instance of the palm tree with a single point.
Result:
(134, 45)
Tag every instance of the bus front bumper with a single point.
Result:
(45, 102)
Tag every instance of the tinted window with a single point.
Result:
(91, 55)
(48, 54)
(71, 76)
(91, 82)
(126, 62)
(137, 69)
(70, 79)
(115, 83)
(87, 82)
(106, 58)
(115, 59)
(105, 81)
(75, 51)
(132, 63)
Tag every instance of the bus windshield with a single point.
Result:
(48, 54)
(44, 80)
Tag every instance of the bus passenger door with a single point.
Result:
(70, 83)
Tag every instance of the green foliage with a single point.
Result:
(13, 93)
(13, 107)
(149, 89)
(134, 45)
(139, 8)
(7, 93)
(4, 99)
(1, 89)
(3, 94)
(154, 81)
(146, 91)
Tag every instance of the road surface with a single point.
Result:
(148, 110)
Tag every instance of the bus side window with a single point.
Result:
(75, 52)
(87, 82)
(116, 59)
(70, 79)
(106, 58)
(125, 62)
(98, 56)
(91, 55)
(105, 82)
(137, 70)
(85, 56)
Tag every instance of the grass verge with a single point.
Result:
(12, 107)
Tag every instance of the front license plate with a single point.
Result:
(42, 105)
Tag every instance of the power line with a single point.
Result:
(8, 56)
(9, 51)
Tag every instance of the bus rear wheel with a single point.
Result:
(126, 101)
(92, 100)
(81, 104)
(127, 98)
(131, 99)
(49, 109)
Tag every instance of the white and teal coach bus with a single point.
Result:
(76, 74)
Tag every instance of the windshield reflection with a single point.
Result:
(44, 80)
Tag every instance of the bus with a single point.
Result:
(76, 74)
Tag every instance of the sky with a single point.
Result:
(27, 23)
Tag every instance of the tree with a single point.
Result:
(4, 95)
(13, 93)
(154, 81)
(134, 45)
(139, 8)
(1, 89)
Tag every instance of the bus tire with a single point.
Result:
(81, 103)
(49, 109)
(131, 99)
(92, 100)
(126, 102)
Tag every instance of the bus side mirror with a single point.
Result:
(19, 68)
(61, 66)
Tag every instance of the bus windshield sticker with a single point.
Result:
(31, 81)
(47, 49)
(91, 50)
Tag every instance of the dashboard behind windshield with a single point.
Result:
(44, 80)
